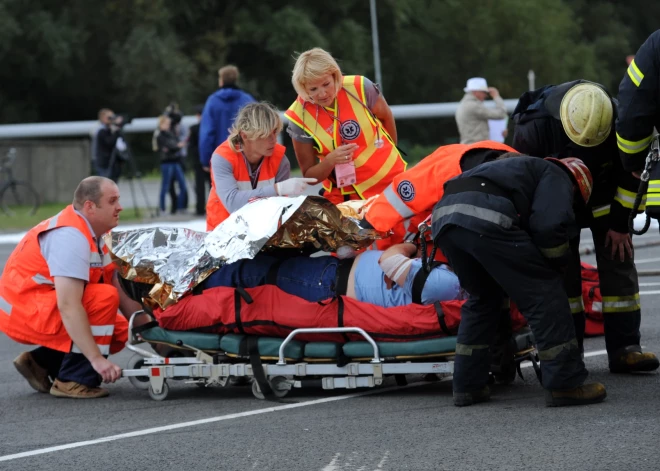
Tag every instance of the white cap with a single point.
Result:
(476, 84)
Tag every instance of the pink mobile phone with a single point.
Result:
(345, 174)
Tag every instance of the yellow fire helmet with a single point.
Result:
(586, 114)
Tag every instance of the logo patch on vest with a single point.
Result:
(406, 191)
(349, 130)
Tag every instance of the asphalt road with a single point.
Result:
(390, 428)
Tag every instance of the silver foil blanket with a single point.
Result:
(175, 260)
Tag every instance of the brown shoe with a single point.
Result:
(633, 360)
(75, 390)
(36, 376)
(582, 395)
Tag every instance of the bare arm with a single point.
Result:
(69, 293)
(383, 112)
(400, 252)
(307, 159)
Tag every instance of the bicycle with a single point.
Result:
(16, 196)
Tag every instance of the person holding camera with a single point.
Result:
(168, 147)
(107, 163)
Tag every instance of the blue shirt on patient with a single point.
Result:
(441, 284)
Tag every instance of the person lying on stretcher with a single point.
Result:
(384, 278)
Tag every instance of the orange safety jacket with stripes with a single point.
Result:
(413, 193)
(377, 159)
(27, 290)
(215, 210)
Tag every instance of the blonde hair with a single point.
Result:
(228, 74)
(312, 65)
(257, 120)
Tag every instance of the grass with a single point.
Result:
(21, 220)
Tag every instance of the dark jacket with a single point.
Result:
(539, 133)
(218, 116)
(507, 196)
(105, 144)
(639, 104)
(193, 143)
(167, 144)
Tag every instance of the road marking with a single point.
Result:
(654, 283)
(221, 418)
(649, 292)
(647, 260)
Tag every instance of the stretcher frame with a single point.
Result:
(151, 371)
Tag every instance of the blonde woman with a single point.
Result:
(250, 164)
(340, 119)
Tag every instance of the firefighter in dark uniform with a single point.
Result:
(505, 227)
(639, 105)
(575, 119)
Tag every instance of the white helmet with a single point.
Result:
(586, 114)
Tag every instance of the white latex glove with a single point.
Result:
(293, 186)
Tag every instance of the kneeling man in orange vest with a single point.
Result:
(59, 291)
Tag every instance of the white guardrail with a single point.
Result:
(143, 125)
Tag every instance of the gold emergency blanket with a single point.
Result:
(175, 260)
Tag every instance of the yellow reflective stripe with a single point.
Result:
(654, 186)
(554, 252)
(632, 147)
(467, 350)
(627, 198)
(601, 211)
(5, 306)
(380, 174)
(577, 304)
(553, 352)
(621, 303)
(635, 74)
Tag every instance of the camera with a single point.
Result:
(121, 119)
(173, 112)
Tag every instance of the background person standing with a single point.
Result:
(472, 115)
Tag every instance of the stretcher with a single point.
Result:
(277, 365)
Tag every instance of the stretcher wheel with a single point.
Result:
(160, 396)
(275, 385)
(507, 376)
(136, 362)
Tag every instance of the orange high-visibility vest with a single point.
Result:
(215, 210)
(27, 288)
(413, 194)
(350, 122)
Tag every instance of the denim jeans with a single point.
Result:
(310, 278)
(172, 171)
(67, 366)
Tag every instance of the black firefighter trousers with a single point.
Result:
(619, 287)
(491, 268)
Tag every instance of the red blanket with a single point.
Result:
(275, 313)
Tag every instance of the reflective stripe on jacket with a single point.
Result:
(215, 210)
(415, 191)
(351, 122)
(26, 283)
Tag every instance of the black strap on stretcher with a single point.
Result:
(420, 280)
(441, 319)
(249, 347)
(240, 293)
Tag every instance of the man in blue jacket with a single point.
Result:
(219, 113)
